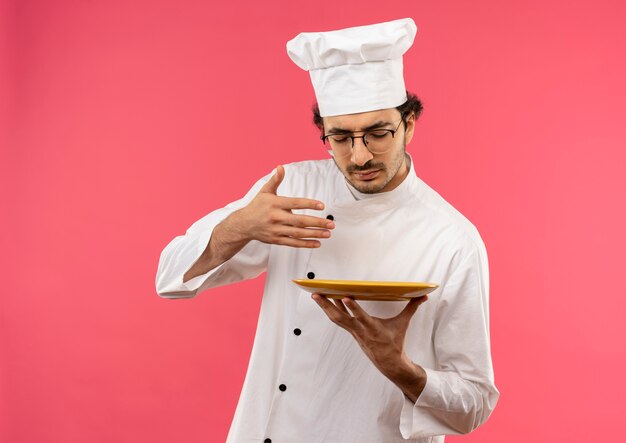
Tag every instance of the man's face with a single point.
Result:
(372, 173)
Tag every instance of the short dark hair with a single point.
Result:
(412, 105)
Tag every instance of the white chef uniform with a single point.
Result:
(308, 380)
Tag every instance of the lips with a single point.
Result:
(367, 175)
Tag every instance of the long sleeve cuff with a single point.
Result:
(448, 405)
(183, 252)
(170, 284)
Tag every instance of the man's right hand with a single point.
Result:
(268, 218)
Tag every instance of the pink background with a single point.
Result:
(124, 122)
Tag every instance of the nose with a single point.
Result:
(360, 153)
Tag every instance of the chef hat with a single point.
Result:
(355, 69)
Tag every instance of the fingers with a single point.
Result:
(299, 203)
(271, 220)
(309, 221)
(288, 203)
(335, 314)
(290, 231)
(411, 307)
(297, 243)
(357, 310)
(286, 235)
(341, 306)
(272, 185)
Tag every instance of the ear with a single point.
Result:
(410, 127)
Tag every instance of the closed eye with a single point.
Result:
(340, 138)
(378, 134)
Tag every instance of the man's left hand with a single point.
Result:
(382, 339)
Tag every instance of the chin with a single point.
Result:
(372, 187)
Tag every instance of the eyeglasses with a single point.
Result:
(377, 141)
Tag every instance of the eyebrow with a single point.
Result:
(378, 124)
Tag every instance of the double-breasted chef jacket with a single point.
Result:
(308, 380)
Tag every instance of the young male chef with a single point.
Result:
(346, 370)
